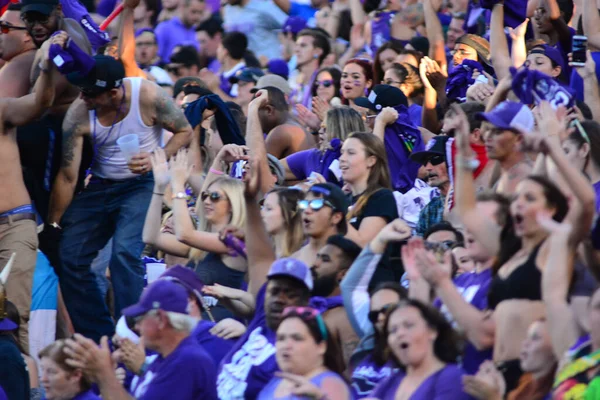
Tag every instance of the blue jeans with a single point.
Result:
(100, 265)
(103, 210)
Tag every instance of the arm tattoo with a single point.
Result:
(68, 145)
(168, 114)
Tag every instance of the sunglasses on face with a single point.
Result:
(214, 196)
(6, 28)
(35, 17)
(439, 246)
(374, 315)
(315, 204)
(435, 160)
(326, 83)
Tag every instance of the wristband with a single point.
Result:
(215, 171)
(158, 193)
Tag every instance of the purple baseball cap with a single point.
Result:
(7, 325)
(160, 295)
(550, 52)
(279, 67)
(294, 25)
(510, 115)
(186, 278)
(292, 268)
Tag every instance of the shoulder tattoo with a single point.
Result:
(168, 114)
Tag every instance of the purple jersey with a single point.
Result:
(215, 346)
(445, 384)
(251, 364)
(188, 373)
(367, 375)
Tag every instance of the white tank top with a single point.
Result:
(109, 162)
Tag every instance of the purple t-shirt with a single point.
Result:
(445, 384)
(415, 111)
(215, 346)
(87, 395)
(2, 394)
(474, 289)
(268, 393)
(188, 373)
(303, 163)
(173, 33)
(367, 375)
(251, 364)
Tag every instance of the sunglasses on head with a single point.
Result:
(306, 314)
(374, 315)
(315, 204)
(435, 160)
(214, 196)
(325, 83)
(6, 28)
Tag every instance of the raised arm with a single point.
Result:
(435, 34)
(170, 117)
(519, 49)
(591, 23)
(498, 43)
(591, 92)
(560, 25)
(75, 126)
(126, 44)
(357, 13)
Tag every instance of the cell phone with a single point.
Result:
(579, 48)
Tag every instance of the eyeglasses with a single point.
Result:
(374, 315)
(307, 314)
(315, 204)
(435, 160)
(440, 246)
(214, 196)
(462, 52)
(326, 83)
(35, 17)
(6, 28)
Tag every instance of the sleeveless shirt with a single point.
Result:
(109, 162)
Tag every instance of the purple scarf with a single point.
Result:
(70, 58)
(329, 156)
(401, 139)
(459, 80)
(75, 10)
(326, 303)
(533, 87)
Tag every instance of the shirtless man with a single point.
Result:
(323, 215)
(18, 50)
(18, 228)
(285, 136)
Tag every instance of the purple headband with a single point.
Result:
(142, 30)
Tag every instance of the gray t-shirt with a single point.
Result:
(260, 20)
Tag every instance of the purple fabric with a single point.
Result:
(415, 112)
(178, 376)
(215, 346)
(268, 393)
(173, 33)
(401, 139)
(2, 394)
(474, 289)
(326, 303)
(87, 395)
(225, 85)
(251, 364)
(515, 11)
(597, 190)
(304, 162)
(105, 7)
(214, 66)
(367, 375)
(459, 80)
(576, 84)
(75, 10)
(380, 30)
(533, 87)
(71, 58)
(445, 384)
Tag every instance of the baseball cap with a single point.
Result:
(274, 81)
(276, 169)
(186, 55)
(160, 295)
(333, 194)
(550, 52)
(479, 44)
(186, 278)
(510, 115)
(294, 25)
(382, 96)
(42, 6)
(279, 67)
(106, 74)
(349, 248)
(247, 75)
(435, 147)
(292, 268)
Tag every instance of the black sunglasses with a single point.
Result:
(435, 160)
(315, 204)
(374, 315)
(325, 83)
(214, 196)
(6, 28)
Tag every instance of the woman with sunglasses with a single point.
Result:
(407, 78)
(221, 204)
(356, 81)
(339, 123)
(309, 359)
(423, 342)
(327, 84)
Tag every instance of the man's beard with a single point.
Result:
(324, 285)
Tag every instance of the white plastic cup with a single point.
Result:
(129, 145)
(154, 271)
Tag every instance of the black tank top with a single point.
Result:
(525, 282)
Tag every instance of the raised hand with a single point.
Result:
(252, 180)
(133, 355)
(160, 169)
(387, 116)
(519, 31)
(180, 169)
(459, 123)
(430, 268)
(302, 386)
(232, 152)
(308, 118)
(261, 99)
(228, 328)
(320, 107)
(84, 354)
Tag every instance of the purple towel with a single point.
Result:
(459, 80)
(326, 303)
(533, 87)
(70, 58)
(75, 10)
(515, 11)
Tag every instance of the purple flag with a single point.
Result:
(533, 87)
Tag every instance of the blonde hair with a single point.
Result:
(234, 190)
(292, 219)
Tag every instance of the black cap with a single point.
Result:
(349, 248)
(382, 96)
(333, 194)
(435, 147)
(42, 6)
(106, 74)
(186, 56)
(247, 75)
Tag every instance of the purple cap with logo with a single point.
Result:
(510, 115)
(294, 25)
(293, 268)
(551, 52)
(160, 295)
(279, 67)
(186, 278)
